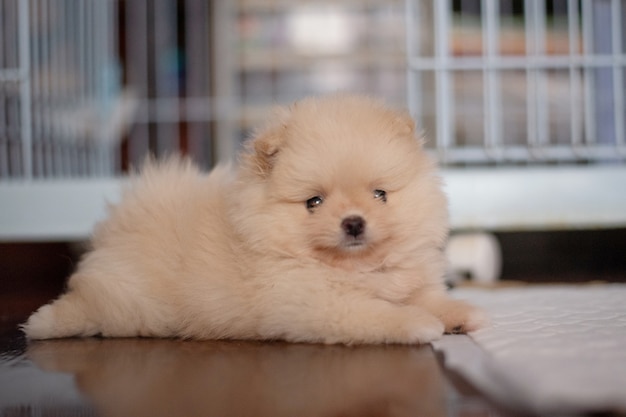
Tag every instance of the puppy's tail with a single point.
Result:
(64, 317)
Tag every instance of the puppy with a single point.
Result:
(331, 229)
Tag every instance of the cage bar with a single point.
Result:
(575, 79)
(588, 50)
(25, 89)
(617, 34)
(443, 79)
(492, 83)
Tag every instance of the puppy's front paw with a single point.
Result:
(424, 328)
(406, 325)
(382, 322)
(456, 315)
(461, 317)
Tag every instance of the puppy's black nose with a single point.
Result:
(353, 225)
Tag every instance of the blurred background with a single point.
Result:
(522, 103)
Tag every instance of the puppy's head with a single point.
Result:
(343, 180)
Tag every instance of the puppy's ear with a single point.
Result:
(405, 123)
(407, 126)
(265, 144)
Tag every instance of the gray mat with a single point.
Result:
(551, 350)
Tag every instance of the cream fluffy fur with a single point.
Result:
(239, 253)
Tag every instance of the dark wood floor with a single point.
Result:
(148, 377)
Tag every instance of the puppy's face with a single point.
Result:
(344, 180)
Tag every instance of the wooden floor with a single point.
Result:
(147, 377)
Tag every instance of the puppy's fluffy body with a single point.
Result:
(330, 229)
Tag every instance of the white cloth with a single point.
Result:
(551, 350)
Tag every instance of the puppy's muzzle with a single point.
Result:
(353, 226)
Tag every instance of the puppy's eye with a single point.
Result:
(313, 202)
(381, 195)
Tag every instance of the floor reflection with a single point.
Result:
(142, 377)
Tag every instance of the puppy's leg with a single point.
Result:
(64, 317)
(351, 321)
(457, 316)
(379, 321)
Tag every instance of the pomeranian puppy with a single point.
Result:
(331, 229)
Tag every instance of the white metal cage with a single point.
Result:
(519, 81)
(522, 100)
(89, 88)
(524, 103)
(59, 89)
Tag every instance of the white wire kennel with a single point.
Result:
(61, 112)
(525, 102)
(194, 74)
(73, 75)
(87, 89)
(61, 102)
